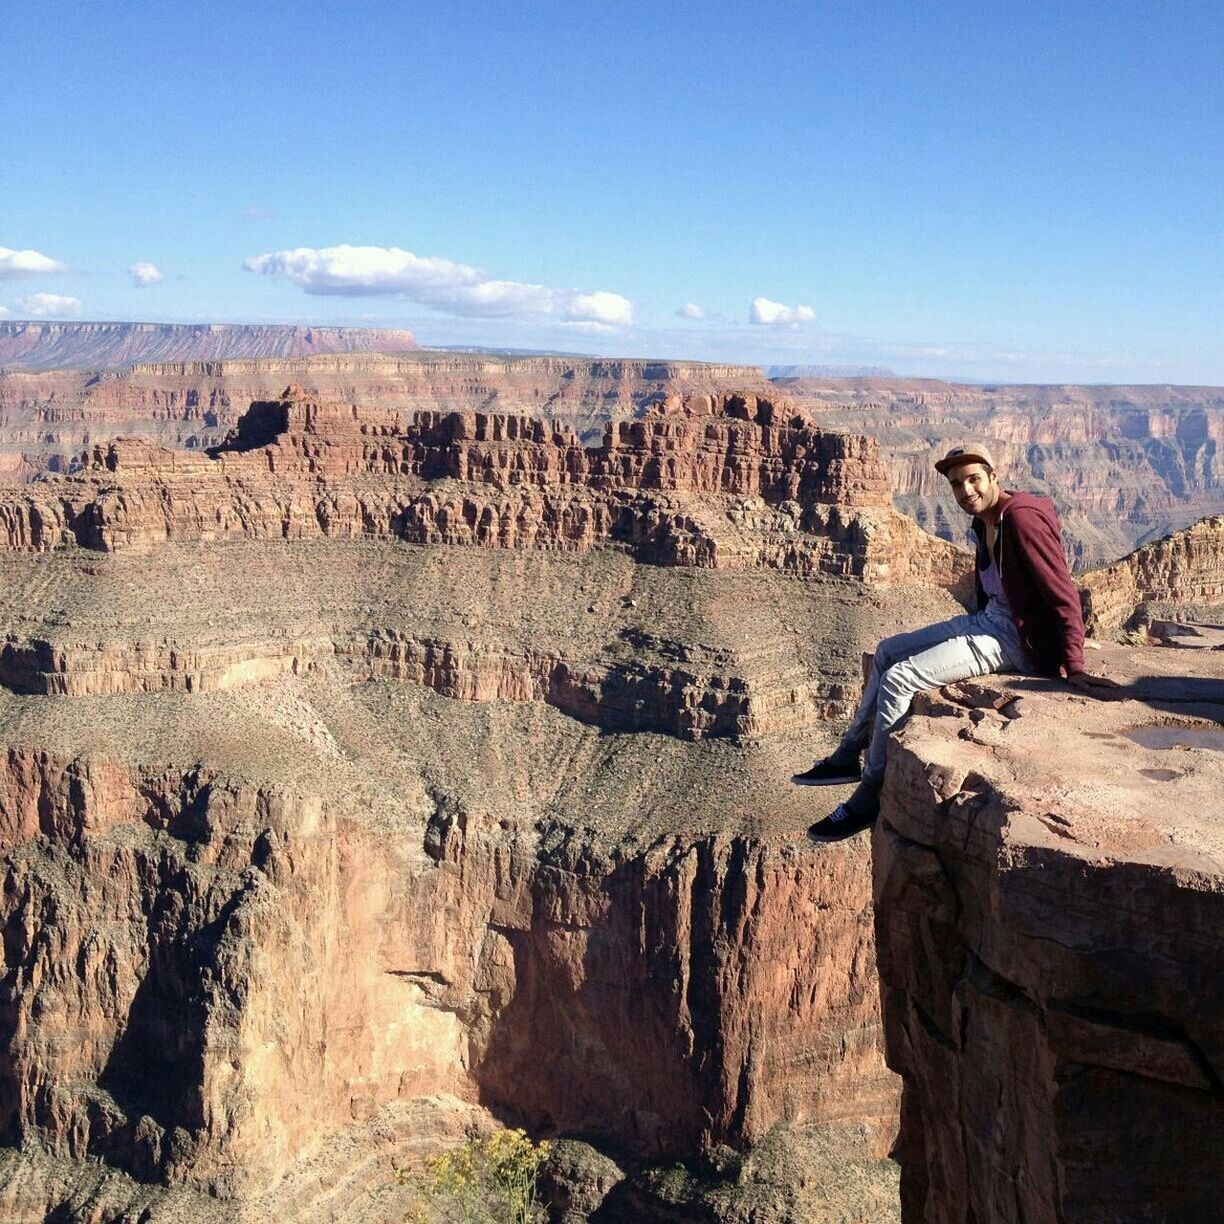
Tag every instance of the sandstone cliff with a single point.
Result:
(389, 772)
(63, 346)
(1180, 576)
(1049, 890)
(710, 481)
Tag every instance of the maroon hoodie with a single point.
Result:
(1044, 601)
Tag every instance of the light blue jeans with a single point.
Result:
(928, 658)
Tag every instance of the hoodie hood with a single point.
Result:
(1029, 501)
(1024, 503)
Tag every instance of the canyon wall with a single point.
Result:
(385, 773)
(1123, 464)
(234, 970)
(1180, 576)
(1049, 891)
(48, 418)
(38, 345)
(711, 481)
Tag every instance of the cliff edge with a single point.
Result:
(1049, 893)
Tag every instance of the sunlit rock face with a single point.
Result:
(1180, 576)
(1049, 892)
(1124, 464)
(338, 816)
(48, 417)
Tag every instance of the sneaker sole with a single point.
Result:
(800, 780)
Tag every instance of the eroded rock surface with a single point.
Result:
(1180, 576)
(1124, 464)
(47, 417)
(1049, 889)
(703, 481)
(326, 835)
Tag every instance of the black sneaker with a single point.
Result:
(840, 823)
(831, 771)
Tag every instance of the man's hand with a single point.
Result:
(1094, 686)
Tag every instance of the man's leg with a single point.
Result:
(890, 651)
(842, 764)
(967, 654)
(970, 649)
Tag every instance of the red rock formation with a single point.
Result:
(48, 417)
(61, 346)
(1050, 923)
(726, 481)
(1182, 575)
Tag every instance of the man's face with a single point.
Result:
(974, 486)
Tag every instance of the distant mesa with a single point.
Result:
(35, 345)
(828, 371)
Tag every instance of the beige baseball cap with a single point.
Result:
(964, 452)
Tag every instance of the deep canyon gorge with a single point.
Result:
(409, 749)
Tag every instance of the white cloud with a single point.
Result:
(144, 274)
(588, 327)
(690, 310)
(774, 314)
(14, 264)
(50, 306)
(3, 310)
(455, 288)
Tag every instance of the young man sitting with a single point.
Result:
(1028, 619)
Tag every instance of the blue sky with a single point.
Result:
(1032, 192)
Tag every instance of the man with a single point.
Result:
(1028, 619)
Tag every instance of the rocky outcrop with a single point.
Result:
(1123, 464)
(705, 481)
(726, 444)
(63, 346)
(48, 418)
(1180, 576)
(1049, 892)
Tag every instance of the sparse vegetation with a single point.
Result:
(491, 1179)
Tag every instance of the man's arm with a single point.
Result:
(1039, 542)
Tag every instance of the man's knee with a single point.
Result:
(888, 652)
(899, 681)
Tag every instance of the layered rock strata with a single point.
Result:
(326, 835)
(704, 481)
(47, 418)
(1123, 464)
(1180, 576)
(1049, 891)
